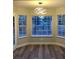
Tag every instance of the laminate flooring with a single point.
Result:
(39, 52)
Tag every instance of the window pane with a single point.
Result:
(41, 25)
(49, 28)
(22, 26)
(34, 32)
(61, 26)
(49, 32)
(39, 28)
(44, 32)
(24, 22)
(59, 16)
(45, 27)
(38, 32)
(20, 33)
(63, 19)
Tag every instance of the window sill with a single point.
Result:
(22, 37)
(42, 36)
(60, 37)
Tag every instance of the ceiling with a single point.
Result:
(35, 3)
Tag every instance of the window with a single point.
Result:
(41, 25)
(22, 26)
(61, 25)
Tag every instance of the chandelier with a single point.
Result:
(40, 10)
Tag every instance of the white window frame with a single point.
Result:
(44, 35)
(20, 26)
(57, 28)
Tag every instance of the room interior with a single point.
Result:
(33, 40)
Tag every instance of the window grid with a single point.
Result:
(22, 26)
(61, 25)
(40, 27)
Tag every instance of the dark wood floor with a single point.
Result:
(39, 52)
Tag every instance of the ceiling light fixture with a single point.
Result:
(40, 10)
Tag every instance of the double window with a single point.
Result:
(22, 26)
(41, 25)
(61, 25)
